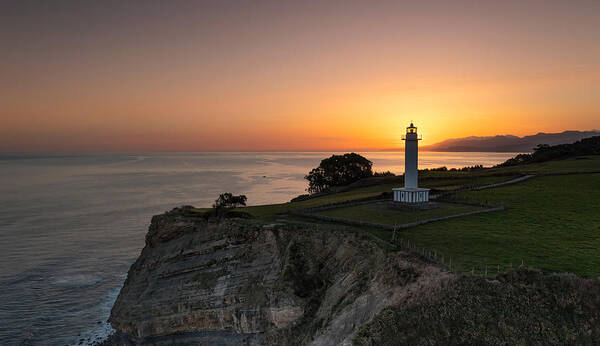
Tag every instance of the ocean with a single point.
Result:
(71, 225)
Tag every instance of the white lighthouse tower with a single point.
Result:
(411, 193)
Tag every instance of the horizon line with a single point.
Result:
(7, 153)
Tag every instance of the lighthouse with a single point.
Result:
(411, 193)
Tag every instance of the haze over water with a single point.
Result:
(71, 225)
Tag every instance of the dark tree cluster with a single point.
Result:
(338, 170)
(228, 200)
(384, 174)
(445, 169)
(545, 152)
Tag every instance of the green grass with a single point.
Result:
(550, 222)
(270, 211)
(382, 213)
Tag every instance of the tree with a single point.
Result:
(338, 170)
(228, 200)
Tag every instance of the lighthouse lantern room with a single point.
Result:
(411, 193)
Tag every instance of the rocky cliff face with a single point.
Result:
(244, 283)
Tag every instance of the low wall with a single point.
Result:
(310, 214)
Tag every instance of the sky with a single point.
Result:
(103, 76)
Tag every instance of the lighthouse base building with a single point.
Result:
(411, 193)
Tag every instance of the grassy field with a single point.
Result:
(381, 212)
(550, 222)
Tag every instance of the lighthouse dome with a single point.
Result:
(411, 128)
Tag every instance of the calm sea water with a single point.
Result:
(71, 225)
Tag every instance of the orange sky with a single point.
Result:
(191, 76)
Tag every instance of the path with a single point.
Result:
(483, 187)
(508, 182)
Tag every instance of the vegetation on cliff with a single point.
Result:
(521, 307)
(228, 200)
(545, 152)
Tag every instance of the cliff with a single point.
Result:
(243, 282)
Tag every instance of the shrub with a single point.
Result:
(228, 200)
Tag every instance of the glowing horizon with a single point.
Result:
(305, 76)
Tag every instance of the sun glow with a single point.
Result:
(259, 78)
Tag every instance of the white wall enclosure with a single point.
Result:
(411, 193)
(417, 195)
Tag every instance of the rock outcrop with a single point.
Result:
(240, 282)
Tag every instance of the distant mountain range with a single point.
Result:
(508, 143)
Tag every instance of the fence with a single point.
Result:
(483, 269)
